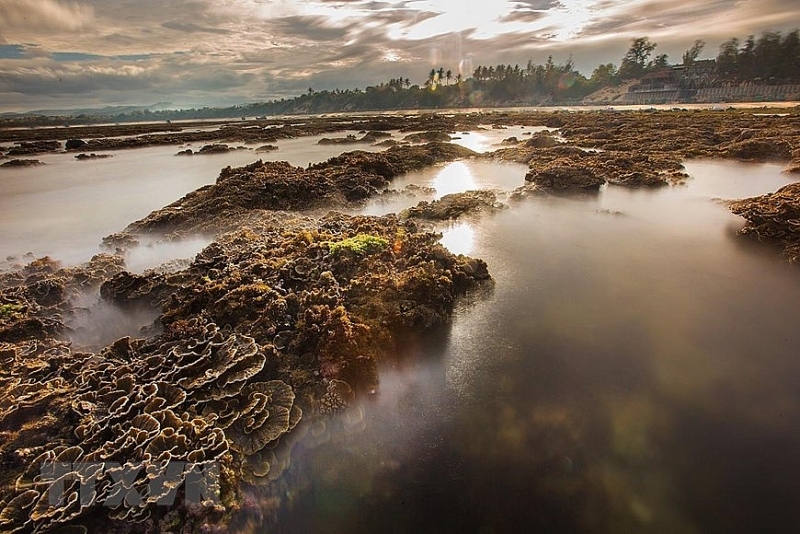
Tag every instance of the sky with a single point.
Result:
(61, 54)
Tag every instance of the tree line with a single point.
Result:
(771, 58)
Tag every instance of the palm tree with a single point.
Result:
(458, 78)
(440, 72)
(431, 77)
(448, 75)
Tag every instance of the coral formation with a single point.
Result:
(774, 217)
(455, 205)
(271, 325)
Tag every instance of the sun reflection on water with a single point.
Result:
(456, 177)
(459, 239)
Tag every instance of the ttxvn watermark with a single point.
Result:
(133, 484)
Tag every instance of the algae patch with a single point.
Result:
(360, 244)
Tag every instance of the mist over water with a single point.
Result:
(64, 208)
(633, 370)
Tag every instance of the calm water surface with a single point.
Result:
(635, 369)
(65, 208)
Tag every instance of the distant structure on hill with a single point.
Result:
(701, 82)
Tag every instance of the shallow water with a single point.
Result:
(634, 370)
(65, 208)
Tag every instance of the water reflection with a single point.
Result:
(64, 208)
(455, 177)
(630, 373)
(459, 238)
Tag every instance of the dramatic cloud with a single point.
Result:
(43, 15)
(60, 53)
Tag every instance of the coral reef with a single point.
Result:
(82, 156)
(455, 205)
(271, 326)
(240, 193)
(21, 163)
(774, 217)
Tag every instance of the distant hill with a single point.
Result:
(107, 111)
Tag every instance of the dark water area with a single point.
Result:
(634, 369)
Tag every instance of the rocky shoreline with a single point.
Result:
(280, 322)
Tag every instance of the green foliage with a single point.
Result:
(360, 244)
(691, 55)
(773, 57)
(7, 310)
(635, 64)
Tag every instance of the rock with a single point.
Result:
(542, 140)
(29, 148)
(340, 181)
(455, 205)
(338, 140)
(93, 156)
(428, 137)
(187, 152)
(22, 163)
(214, 149)
(511, 140)
(760, 149)
(266, 148)
(74, 144)
(774, 217)
(565, 179)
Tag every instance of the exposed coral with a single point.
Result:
(22, 163)
(82, 156)
(239, 193)
(774, 217)
(455, 205)
(565, 179)
(268, 325)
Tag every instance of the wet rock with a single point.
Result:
(81, 157)
(214, 149)
(760, 149)
(15, 163)
(74, 144)
(350, 139)
(29, 148)
(774, 217)
(266, 148)
(542, 140)
(187, 152)
(456, 205)
(340, 181)
(428, 137)
(565, 179)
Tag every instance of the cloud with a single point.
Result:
(47, 15)
(190, 27)
(233, 51)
